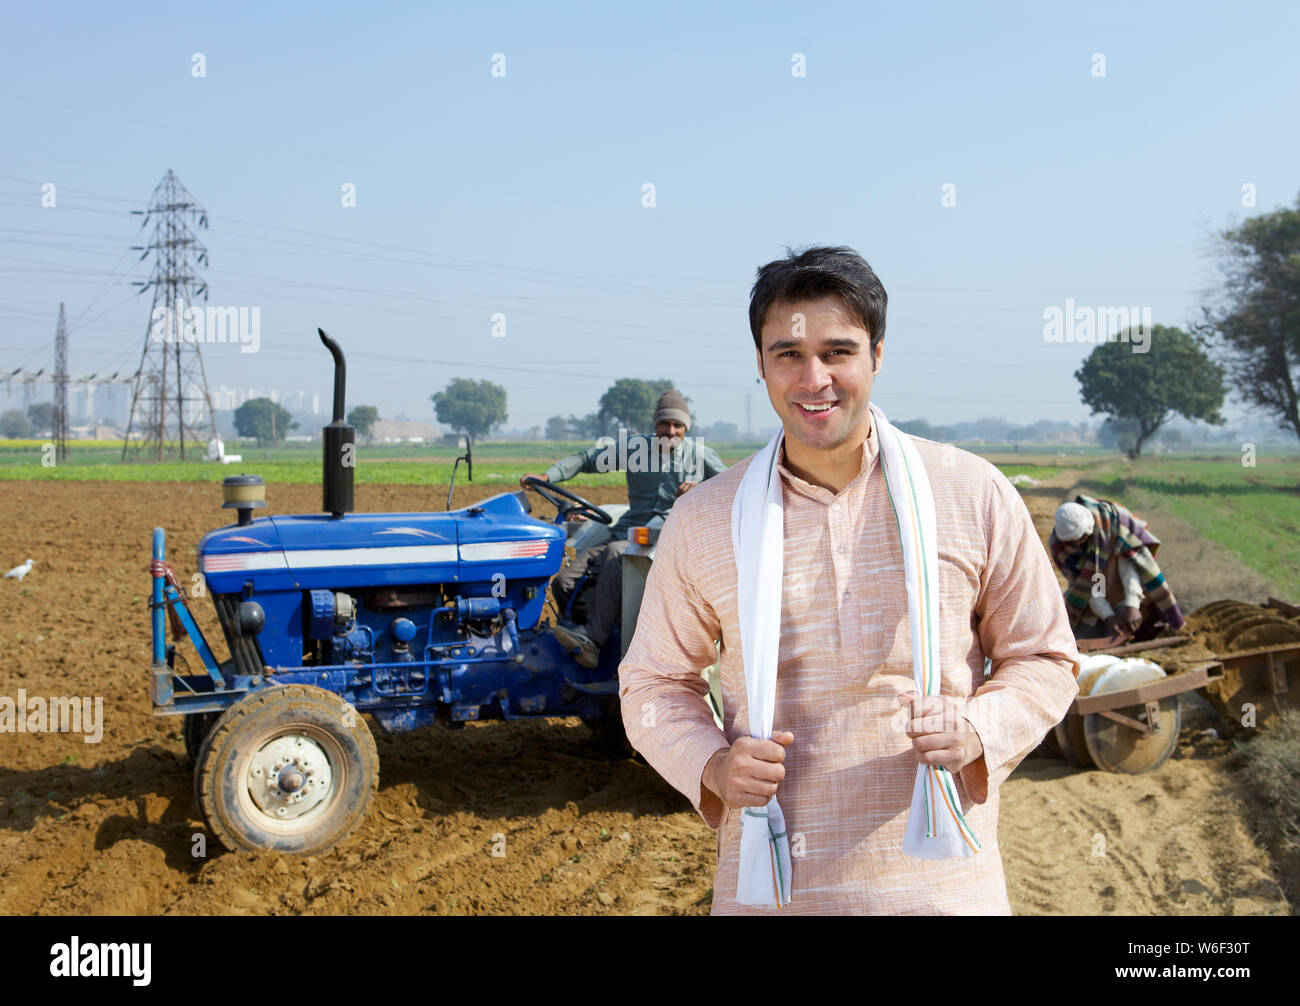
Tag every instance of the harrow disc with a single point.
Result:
(1231, 627)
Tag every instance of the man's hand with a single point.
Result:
(532, 476)
(1129, 617)
(747, 774)
(685, 486)
(1119, 632)
(940, 733)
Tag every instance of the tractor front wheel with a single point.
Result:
(291, 768)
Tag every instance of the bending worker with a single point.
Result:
(1130, 598)
(659, 469)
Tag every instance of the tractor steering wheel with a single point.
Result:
(556, 495)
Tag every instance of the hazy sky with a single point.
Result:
(522, 195)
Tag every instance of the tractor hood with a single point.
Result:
(317, 551)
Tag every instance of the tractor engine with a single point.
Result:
(380, 606)
(395, 604)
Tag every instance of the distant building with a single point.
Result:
(96, 431)
(393, 431)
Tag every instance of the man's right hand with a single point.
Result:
(542, 477)
(747, 774)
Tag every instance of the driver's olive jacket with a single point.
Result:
(652, 479)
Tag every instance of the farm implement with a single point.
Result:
(1243, 658)
(412, 618)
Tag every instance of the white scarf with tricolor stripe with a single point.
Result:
(936, 828)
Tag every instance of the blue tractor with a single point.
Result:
(413, 618)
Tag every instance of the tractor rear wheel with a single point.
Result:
(290, 768)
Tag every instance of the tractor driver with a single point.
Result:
(659, 470)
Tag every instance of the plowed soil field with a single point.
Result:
(112, 827)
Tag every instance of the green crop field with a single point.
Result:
(401, 464)
(496, 461)
(1253, 512)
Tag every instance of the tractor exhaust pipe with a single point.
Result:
(339, 442)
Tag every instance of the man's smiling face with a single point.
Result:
(817, 361)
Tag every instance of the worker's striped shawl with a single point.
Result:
(1116, 533)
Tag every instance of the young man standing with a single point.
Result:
(855, 756)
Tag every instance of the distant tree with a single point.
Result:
(14, 424)
(916, 428)
(721, 432)
(1174, 377)
(41, 416)
(1118, 434)
(557, 428)
(1172, 437)
(363, 419)
(588, 427)
(631, 402)
(473, 407)
(1256, 327)
(264, 420)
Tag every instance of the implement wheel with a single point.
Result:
(1070, 739)
(1117, 746)
(291, 768)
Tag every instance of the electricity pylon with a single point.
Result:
(170, 402)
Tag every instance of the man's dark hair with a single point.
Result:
(814, 273)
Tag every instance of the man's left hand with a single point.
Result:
(1130, 617)
(940, 733)
(685, 486)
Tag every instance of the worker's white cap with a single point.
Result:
(1073, 520)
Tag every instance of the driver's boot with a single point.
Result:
(572, 637)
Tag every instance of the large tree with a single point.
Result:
(473, 407)
(362, 418)
(263, 419)
(631, 402)
(1255, 326)
(1173, 377)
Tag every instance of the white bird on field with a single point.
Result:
(18, 572)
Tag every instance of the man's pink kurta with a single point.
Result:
(845, 656)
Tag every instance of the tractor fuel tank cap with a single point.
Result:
(244, 494)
